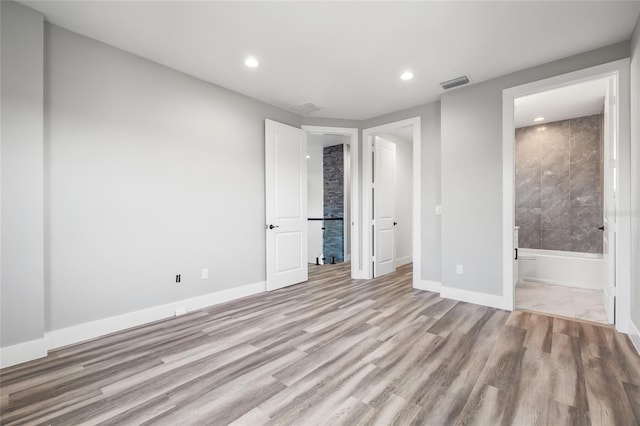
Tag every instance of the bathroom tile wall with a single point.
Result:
(333, 188)
(559, 185)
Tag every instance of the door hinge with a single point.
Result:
(373, 222)
(613, 291)
(613, 164)
(373, 258)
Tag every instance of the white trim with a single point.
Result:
(352, 133)
(93, 329)
(634, 335)
(23, 352)
(491, 300)
(367, 142)
(427, 285)
(620, 70)
(403, 260)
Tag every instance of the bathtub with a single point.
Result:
(583, 270)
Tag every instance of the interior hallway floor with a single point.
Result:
(337, 351)
(571, 302)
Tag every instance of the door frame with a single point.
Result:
(367, 144)
(352, 134)
(620, 71)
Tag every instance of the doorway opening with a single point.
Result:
(391, 194)
(332, 195)
(562, 141)
(328, 195)
(565, 183)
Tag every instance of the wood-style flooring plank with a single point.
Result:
(336, 351)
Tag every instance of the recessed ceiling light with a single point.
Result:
(308, 156)
(538, 119)
(251, 62)
(407, 75)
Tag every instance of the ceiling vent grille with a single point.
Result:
(306, 109)
(455, 82)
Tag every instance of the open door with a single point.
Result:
(384, 184)
(609, 201)
(286, 204)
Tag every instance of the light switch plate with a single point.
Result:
(438, 209)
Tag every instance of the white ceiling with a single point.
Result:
(346, 57)
(577, 100)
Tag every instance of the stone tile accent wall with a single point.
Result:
(559, 185)
(333, 172)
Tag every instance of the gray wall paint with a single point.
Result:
(22, 229)
(151, 173)
(430, 183)
(472, 171)
(635, 176)
(559, 185)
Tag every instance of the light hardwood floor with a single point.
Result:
(337, 351)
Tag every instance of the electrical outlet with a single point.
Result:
(438, 210)
(205, 274)
(459, 270)
(178, 278)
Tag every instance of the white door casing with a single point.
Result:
(286, 205)
(384, 183)
(609, 201)
(619, 71)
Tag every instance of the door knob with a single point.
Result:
(395, 223)
(272, 226)
(601, 228)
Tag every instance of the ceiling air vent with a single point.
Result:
(306, 109)
(455, 82)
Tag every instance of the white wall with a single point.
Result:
(150, 173)
(22, 278)
(635, 181)
(315, 196)
(347, 200)
(472, 172)
(404, 201)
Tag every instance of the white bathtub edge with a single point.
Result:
(562, 283)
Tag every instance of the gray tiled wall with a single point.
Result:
(559, 185)
(333, 188)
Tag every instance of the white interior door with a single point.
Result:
(286, 204)
(383, 196)
(609, 201)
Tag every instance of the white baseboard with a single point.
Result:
(23, 352)
(634, 335)
(561, 283)
(404, 260)
(427, 285)
(469, 296)
(93, 329)
(347, 258)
